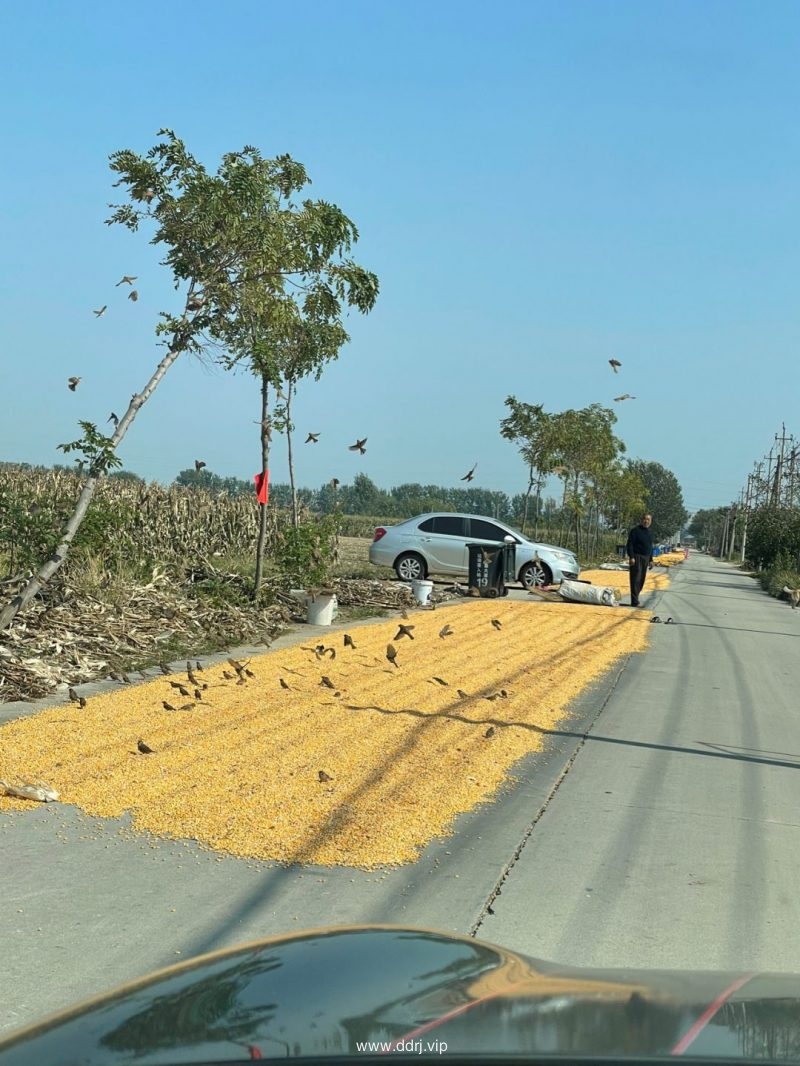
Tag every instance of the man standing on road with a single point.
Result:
(640, 556)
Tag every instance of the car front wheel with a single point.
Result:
(534, 575)
(410, 567)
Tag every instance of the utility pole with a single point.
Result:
(746, 513)
(776, 485)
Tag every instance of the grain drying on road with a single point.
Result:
(354, 760)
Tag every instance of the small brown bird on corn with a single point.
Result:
(464, 695)
(326, 681)
(490, 732)
(391, 655)
(348, 641)
(446, 631)
(283, 683)
(497, 623)
(145, 749)
(73, 695)
(323, 777)
(198, 695)
(441, 681)
(168, 706)
(164, 668)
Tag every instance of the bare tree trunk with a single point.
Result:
(96, 472)
(538, 508)
(527, 500)
(291, 386)
(266, 434)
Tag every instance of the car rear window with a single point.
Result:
(453, 525)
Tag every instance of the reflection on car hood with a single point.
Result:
(334, 992)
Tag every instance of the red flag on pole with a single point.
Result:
(262, 486)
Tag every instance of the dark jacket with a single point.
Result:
(640, 542)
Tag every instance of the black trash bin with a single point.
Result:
(490, 567)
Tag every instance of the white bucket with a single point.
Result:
(321, 609)
(422, 591)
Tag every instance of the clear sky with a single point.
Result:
(540, 187)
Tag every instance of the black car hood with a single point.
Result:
(366, 991)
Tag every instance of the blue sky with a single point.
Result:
(540, 187)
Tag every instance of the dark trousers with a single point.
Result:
(638, 573)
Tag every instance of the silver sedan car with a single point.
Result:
(437, 544)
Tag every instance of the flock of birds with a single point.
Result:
(195, 302)
(193, 688)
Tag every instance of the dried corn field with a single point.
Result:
(148, 521)
(353, 760)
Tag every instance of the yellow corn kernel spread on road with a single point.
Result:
(239, 772)
(620, 580)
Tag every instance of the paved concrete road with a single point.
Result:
(657, 828)
(674, 841)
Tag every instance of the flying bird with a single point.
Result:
(199, 464)
(133, 295)
(335, 483)
(446, 631)
(624, 396)
(358, 446)
(348, 641)
(101, 312)
(497, 623)
(469, 474)
(145, 749)
(391, 655)
(312, 438)
(126, 279)
(615, 364)
(404, 631)
(72, 383)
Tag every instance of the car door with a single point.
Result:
(445, 544)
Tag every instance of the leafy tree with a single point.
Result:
(255, 266)
(584, 448)
(531, 429)
(664, 498)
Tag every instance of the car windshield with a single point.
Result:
(305, 307)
